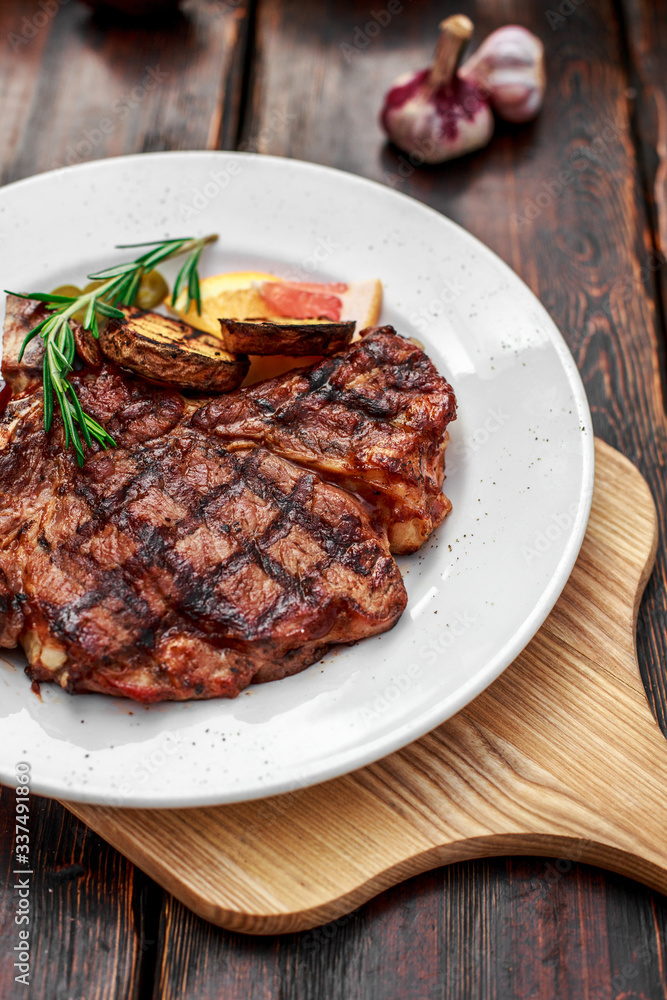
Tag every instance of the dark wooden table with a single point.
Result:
(305, 79)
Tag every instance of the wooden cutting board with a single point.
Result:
(559, 757)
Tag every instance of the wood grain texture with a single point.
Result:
(81, 88)
(472, 930)
(645, 26)
(559, 756)
(88, 912)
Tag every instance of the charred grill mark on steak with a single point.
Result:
(199, 595)
(190, 560)
(372, 419)
(170, 567)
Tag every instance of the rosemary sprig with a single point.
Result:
(118, 287)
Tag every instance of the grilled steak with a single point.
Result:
(214, 548)
(372, 419)
(170, 567)
(20, 317)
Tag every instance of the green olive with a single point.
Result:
(92, 285)
(152, 291)
(70, 290)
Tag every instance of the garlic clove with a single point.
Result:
(433, 114)
(509, 67)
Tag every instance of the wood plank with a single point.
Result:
(645, 26)
(437, 937)
(92, 912)
(82, 89)
(323, 962)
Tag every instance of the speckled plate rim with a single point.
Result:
(335, 764)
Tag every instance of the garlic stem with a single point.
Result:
(454, 33)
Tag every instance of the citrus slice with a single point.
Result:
(241, 295)
(234, 296)
(298, 302)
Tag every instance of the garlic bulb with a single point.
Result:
(433, 114)
(509, 67)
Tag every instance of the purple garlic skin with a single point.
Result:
(435, 124)
(508, 67)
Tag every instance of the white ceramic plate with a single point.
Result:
(520, 475)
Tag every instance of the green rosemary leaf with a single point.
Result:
(151, 260)
(60, 334)
(110, 288)
(119, 284)
(70, 431)
(134, 287)
(69, 348)
(66, 423)
(80, 416)
(64, 365)
(108, 310)
(30, 335)
(193, 290)
(90, 314)
(48, 395)
(112, 272)
(119, 294)
(99, 433)
(55, 373)
(153, 243)
(42, 297)
(89, 425)
(180, 278)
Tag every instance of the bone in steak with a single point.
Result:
(20, 317)
(197, 557)
(169, 568)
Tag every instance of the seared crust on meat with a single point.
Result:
(373, 419)
(169, 351)
(293, 338)
(87, 346)
(170, 568)
(21, 316)
(215, 548)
